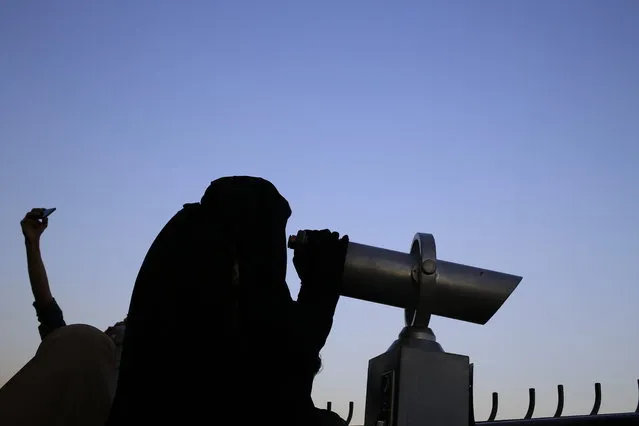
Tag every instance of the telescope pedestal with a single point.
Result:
(416, 383)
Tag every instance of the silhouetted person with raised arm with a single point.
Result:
(213, 284)
(49, 313)
(71, 379)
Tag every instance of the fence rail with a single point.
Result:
(594, 412)
(592, 419)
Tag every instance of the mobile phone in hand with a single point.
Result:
(47, 212)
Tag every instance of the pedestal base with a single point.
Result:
(416, 383)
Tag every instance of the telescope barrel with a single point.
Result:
(378, 275)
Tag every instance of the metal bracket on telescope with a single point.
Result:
(423, 274)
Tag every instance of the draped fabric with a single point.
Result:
(211, 330)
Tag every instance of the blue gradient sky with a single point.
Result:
(508, 129)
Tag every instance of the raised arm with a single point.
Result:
(48, 312)
(320, 265)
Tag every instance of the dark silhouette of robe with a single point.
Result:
(213, 335)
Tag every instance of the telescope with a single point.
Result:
(415, 382)
(420, 283)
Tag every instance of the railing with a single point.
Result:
(594, 418)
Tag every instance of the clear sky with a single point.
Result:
(508, 129)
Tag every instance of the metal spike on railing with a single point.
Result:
(351, 407)
(560, 401)
(637, 409)
(494, 408)
(531, 404)
(597, 404)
